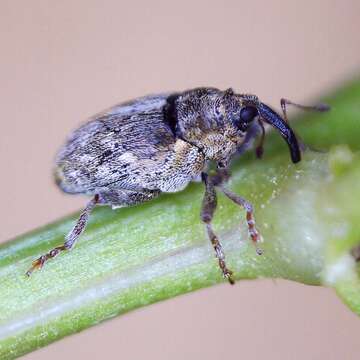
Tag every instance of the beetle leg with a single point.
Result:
(254, 130)
(250, 136)
(318, 108)
(259, 150)
(355, 252)
(207, 212)
(253, 232)
(70, 238)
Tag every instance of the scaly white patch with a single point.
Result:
(340, 269)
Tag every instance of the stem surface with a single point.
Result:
(131, 257)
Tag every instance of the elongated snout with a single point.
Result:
(271, 117)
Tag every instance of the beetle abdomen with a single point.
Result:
(128, 149)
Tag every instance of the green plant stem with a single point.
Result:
(132, 257)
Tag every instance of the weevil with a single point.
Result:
(134, 151)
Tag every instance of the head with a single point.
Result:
(218, 121)
(243, 110)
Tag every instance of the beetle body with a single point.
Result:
(132, 152)
(151, 145)
(126, 150)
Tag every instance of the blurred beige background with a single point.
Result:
(62, 61)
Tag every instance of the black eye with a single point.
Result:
(248, 113)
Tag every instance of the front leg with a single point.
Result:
(207, 212)
(218, 180)
(253, 232)
(209, 206)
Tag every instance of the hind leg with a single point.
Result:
(119, 198)
(70, 238)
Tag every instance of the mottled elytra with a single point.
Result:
(134, 151)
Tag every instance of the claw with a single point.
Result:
(228, 276)
(37, 264)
